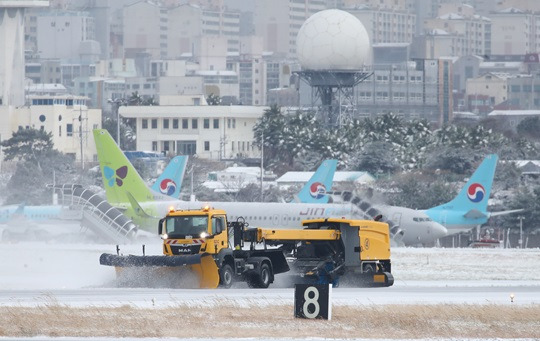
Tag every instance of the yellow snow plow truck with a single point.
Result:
(201, 249)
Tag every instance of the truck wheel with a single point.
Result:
(226, 276)
(262, 279)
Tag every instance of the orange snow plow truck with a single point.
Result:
(201, 249)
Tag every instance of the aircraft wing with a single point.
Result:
(494, 214)
(474, 214)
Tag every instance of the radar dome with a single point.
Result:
(333, 40)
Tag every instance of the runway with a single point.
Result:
(412, 293)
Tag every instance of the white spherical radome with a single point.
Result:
(333, 40)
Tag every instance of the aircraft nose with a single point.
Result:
(438, 230)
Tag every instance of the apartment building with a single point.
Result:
(419, 89)
(517, 31)
(385, 23)
(63, 34)
(457, 32)
(278, 22)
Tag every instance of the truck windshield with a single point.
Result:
(180, 227)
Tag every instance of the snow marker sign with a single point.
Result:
(313, 301)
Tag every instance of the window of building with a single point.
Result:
(145, 123)
(175, 123)
(166, 146)
(216, 123)
(206, 123)
(234, 123)
(154, 146)
(184, 123)
(69, 129)
(206, 145)
(59, 130)
(165, 123)
(154, 123)
(194, 123)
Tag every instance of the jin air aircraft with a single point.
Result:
(124, 188)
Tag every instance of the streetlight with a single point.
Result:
(520, 241)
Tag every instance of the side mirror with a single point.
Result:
(160, 226)
(219, 229)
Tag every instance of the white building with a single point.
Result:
(12, 47)
(211, 132)
(187, 24)
(492, 85)
(145, 30)
(457, 31)
(59, 115)
(516, 31)
(386, 24)
(341, 180)
(63, 34)
(278, 22)
(233, 179)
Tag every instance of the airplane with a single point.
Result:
(170, 181)
(125, 189)
(411, 227)
(469, 208)
(466, 211)
(14, 214)
(35, 213)
(315, 190)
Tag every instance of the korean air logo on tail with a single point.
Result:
(317, 190)
(167, 186)
(476, 192)
(113, 176)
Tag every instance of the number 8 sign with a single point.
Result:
(312, 301)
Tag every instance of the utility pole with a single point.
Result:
(81, 135)
(520, 241)
(262, 165)
(117, 105)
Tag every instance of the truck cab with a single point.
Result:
(194, 231)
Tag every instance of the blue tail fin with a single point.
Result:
(170, 181)
(473, 197)
(314, 191)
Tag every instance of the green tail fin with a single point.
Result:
(118, 174)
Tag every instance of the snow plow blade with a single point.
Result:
(198, 270)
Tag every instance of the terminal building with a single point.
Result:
(208, 131)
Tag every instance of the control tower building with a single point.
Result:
(335, 54)
(12, 49)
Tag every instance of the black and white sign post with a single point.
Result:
(313, 301)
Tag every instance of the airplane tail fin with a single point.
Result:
(473, 197)
(117, 172)
(170, 181)
(315, 190)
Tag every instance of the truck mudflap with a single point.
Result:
(384, 279)
(378, 279)
(198, 270)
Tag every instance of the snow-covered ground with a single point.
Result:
(68, 263)
(64, 269)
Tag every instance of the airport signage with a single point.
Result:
(313, 301)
